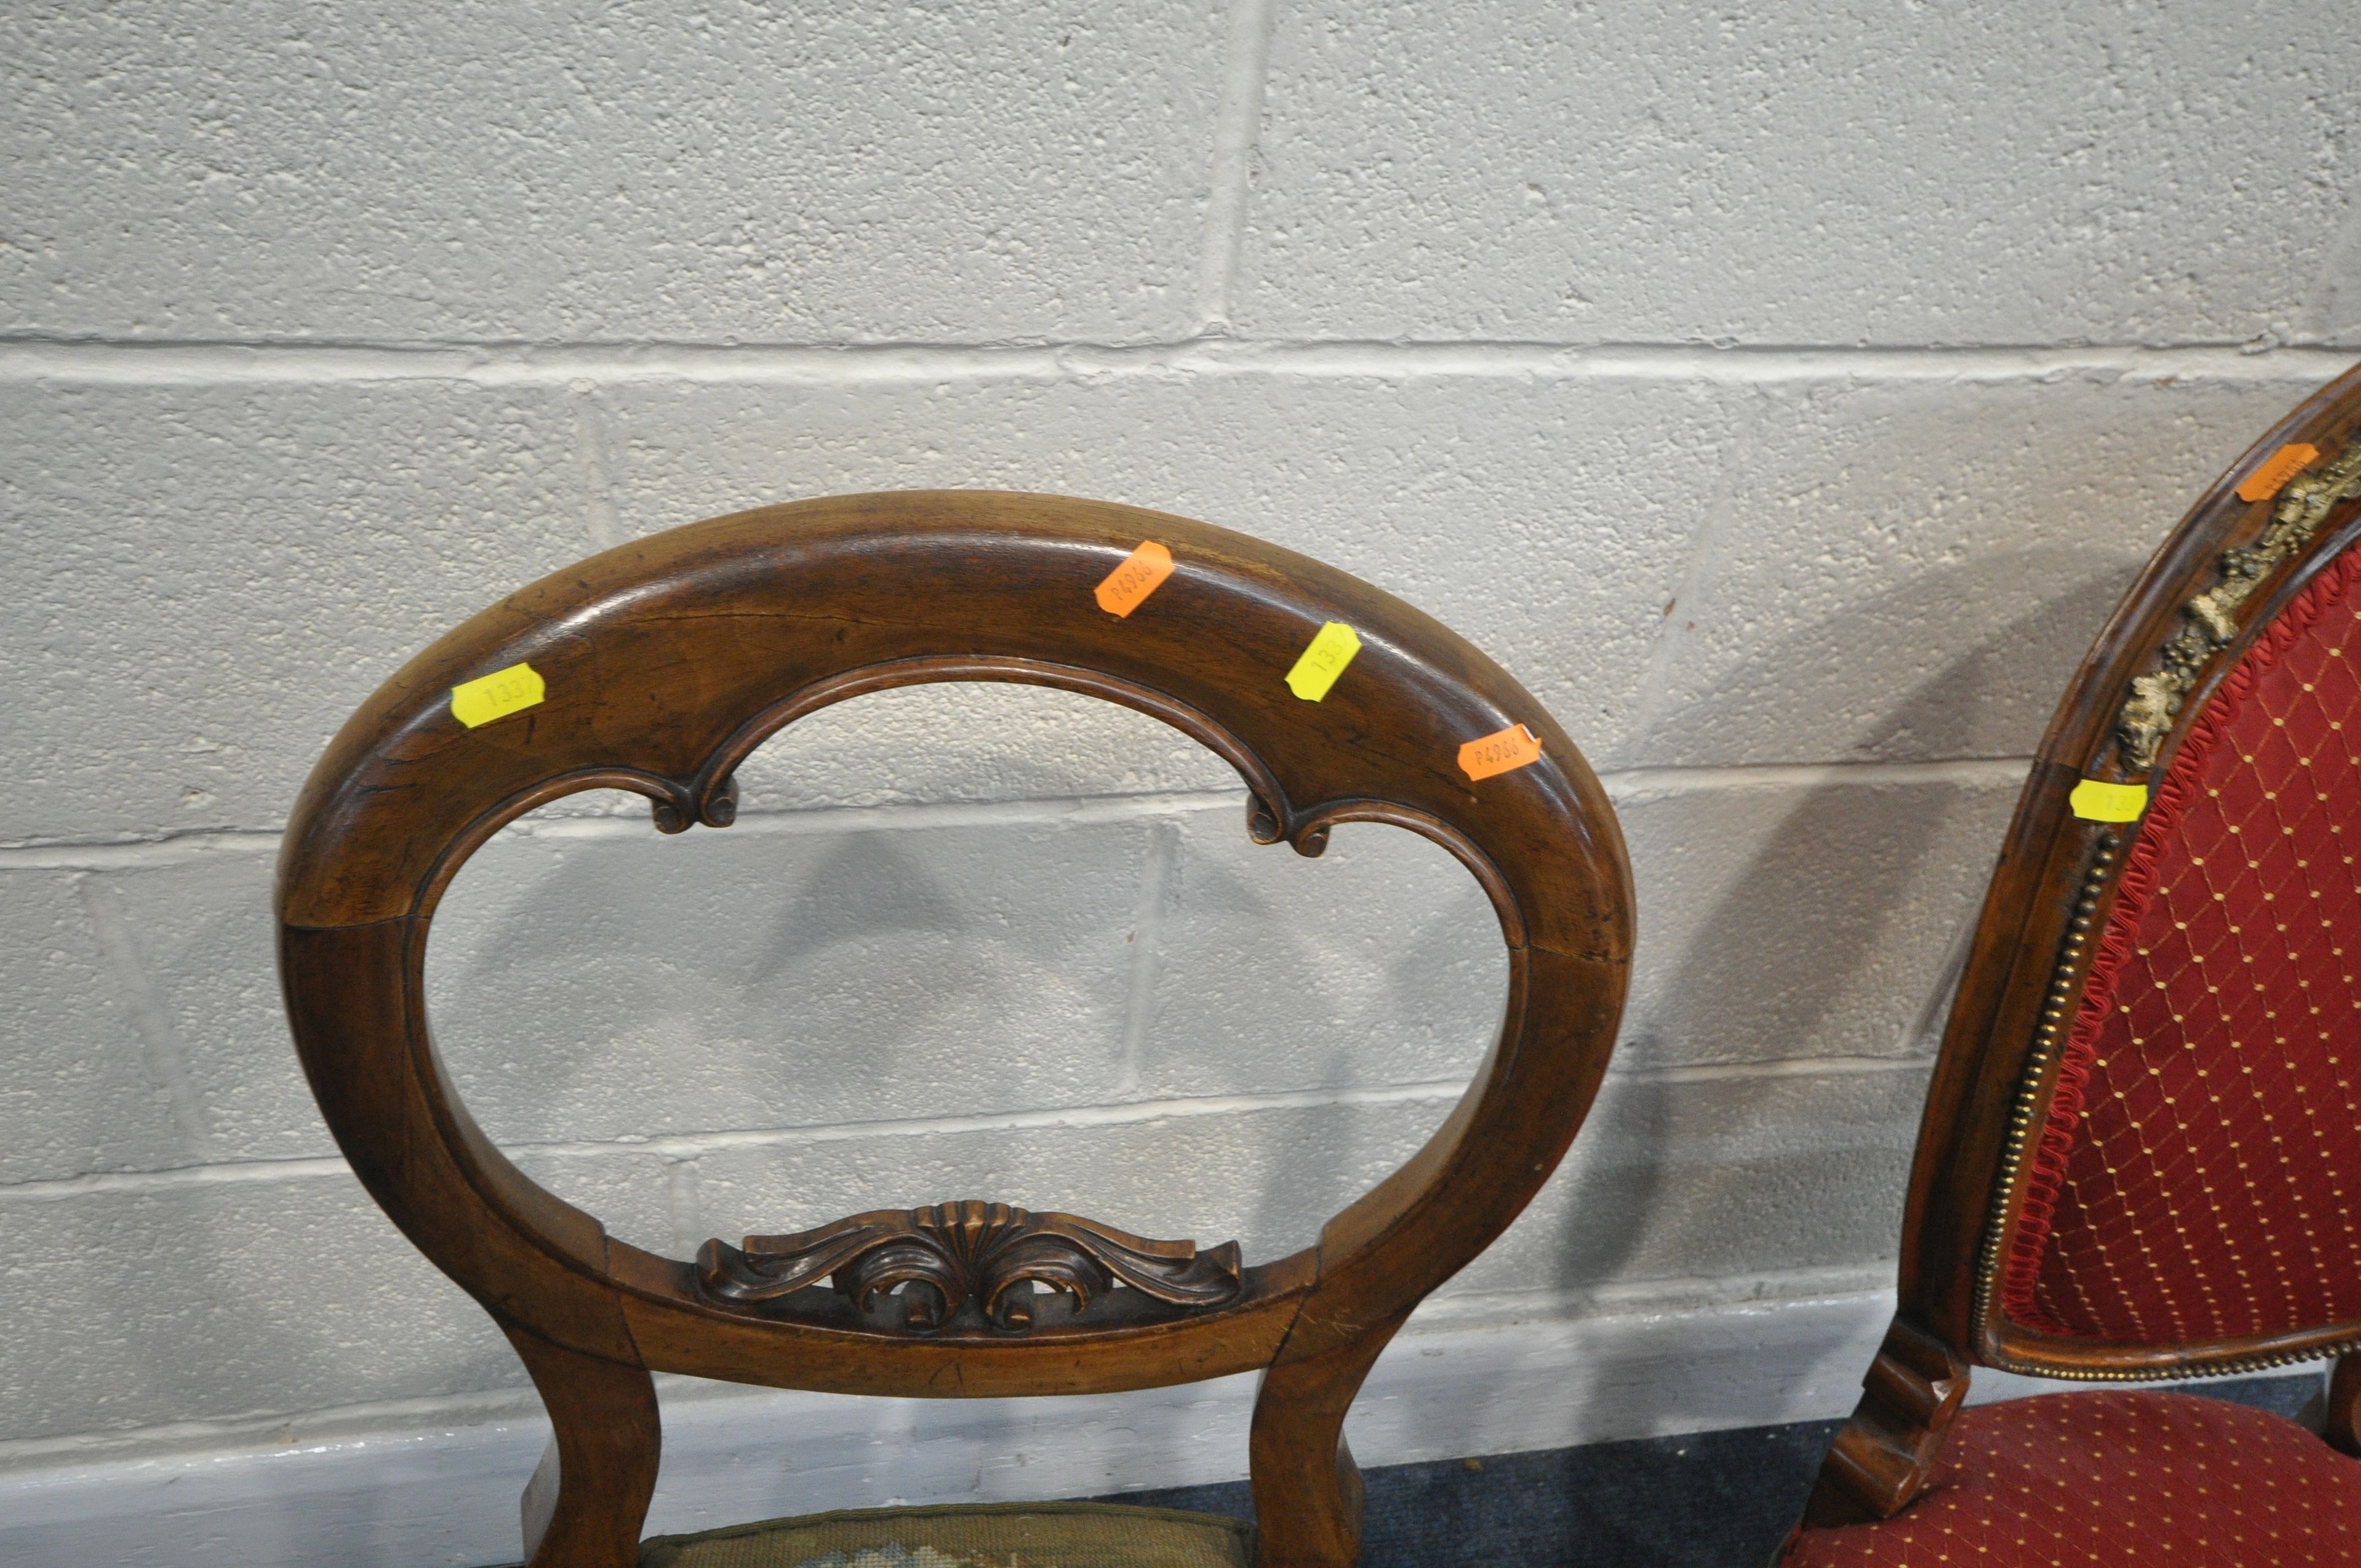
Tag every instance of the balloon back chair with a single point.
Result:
(2141, 1152)
(657, 667)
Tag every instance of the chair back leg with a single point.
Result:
(1307, 1490)
(609, 1442)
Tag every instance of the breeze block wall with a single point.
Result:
(1784, 394)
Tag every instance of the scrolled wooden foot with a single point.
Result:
(1882, 1456)
(1307, 1490)
(607, 1442)
(2342, 1428)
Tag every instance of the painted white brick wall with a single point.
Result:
(1785, 398)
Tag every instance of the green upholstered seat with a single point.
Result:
(1010, 1535)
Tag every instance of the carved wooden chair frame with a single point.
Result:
(2222, 577)
(665, 662)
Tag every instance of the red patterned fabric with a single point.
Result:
(2198, 1176)
(2117, 1478)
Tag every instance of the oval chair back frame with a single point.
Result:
(665, 662)
(2056, 885)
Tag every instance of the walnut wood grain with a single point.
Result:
(608, 1436)
(1881, 1457)
(2341, 1428)
(1307, 1490)
(668, 660)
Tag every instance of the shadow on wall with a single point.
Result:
(1808, 911)
(607, 985)
(599, 936)
(862, 887)
(1607, 1227)
(1376, 964)
(1299, 1194)
(1775, 970)
(2027, 619)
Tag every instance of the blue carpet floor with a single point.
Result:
(1722, 1499)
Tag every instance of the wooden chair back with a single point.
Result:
(2141, 1152)
(658, 667)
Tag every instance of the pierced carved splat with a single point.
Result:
(947, 1255)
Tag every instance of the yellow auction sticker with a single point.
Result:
(1322, 662)
(2095, 800)
(496, 696)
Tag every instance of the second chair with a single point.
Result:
(2141, 1153)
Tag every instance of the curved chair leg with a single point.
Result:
(608, 1442)
(1307, 1490)
(2342, 1428)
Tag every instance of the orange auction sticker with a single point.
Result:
(1128, 585)
(2276, 470)
(1505, 753)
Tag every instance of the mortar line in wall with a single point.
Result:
(692, 1146)
(1624, 786)
(689, 1147)
(179, 849)
(1768, 1288)
(1238, 125)
(103, 362)
(685, 1206)
(1063, 811)
(1777, 1066)
(1627, 786)
(384, 1422)
(139, 854)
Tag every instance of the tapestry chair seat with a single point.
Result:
(2141, 1154)
(658, 667)
(1030, 1535)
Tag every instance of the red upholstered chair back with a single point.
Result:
(2196, 1178)
(2141, 1153)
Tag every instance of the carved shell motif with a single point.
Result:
(946, 1255)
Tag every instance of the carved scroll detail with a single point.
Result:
(947, 1255)
(2207, 621)
(715, 807)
